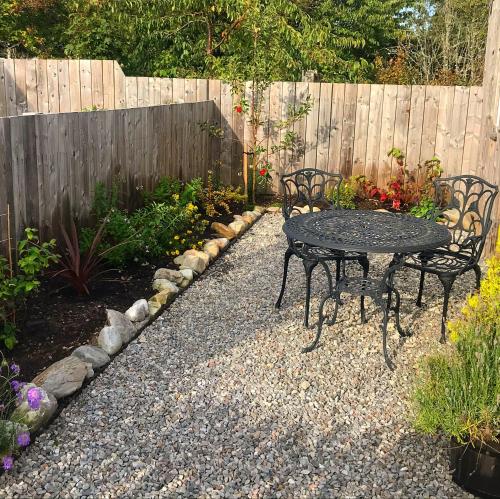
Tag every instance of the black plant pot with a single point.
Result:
(476, 469)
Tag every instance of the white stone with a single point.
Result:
(175, 276)
(93, 355)
(188, 275)
(110, 340)
(195, 260)
(221, 242)
(64, 377)
(34, 419)
(252, 214)
(116, 318)
(179, 259)
(138, 311)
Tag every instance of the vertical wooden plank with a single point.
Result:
(6, 189)
(190, 90)
(348, 130)
(51, 183)
(20, 71)
(457, 133)
(214, 88)
(415, 125)
(63, 164)
(10, 87)
(473, 131)
(3, 84)
(166, 91)
(301, 93)
(178, 90)
(312, 120)
(151, 91)
(120, 86)
(78, 208)
(374, 125)
(97, 84)
(74, 85)
(31, 90)
(431, 111)
(53, 85)
(336, 125)
(387, 133)
(85, 84)
(274, 132)
(226, 122)
(31, 171)
(445, 114)
(108, 85)
(402, 120)
(157, 91)
(287, 100)
(42, 86)
(64, 86)
(142, 91)
(18, 135)
(361, 129)
(131, 91)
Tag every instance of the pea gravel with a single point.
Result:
(214, 399)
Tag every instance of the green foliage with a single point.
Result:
(215, 197)
(426, 208)
(458, 392)
(16, 284)
(345, 195)
(164, 192)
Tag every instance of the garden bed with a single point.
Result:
(56, 320)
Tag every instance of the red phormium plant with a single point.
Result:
(81, 269)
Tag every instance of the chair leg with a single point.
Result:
(477, 270)
(421, 288)
(288, 254)
(447, 283)
(308, 267)
(366, 268)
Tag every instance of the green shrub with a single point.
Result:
(17, 283)
(426, 208)
(344, 196)
(458, 393)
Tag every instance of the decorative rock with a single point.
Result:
(158, 300)
(223, 230)
(221, 242)
(35, 419)
(253, 215)
(138, 311)
(259, 209)
(188, 275)
(273, 209)
(179, 259)
(238, 226)
(195, 260)
(118, 319)
(165, 285)
(174, 276)
(64, 377)
(110, 340)
(211, 248)
(247, 220)
(93, 355)
(258, 214)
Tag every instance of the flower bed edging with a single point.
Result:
(69, 375)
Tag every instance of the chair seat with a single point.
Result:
(440, 261)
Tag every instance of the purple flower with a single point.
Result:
(34, 397)
(15, 368)
(16, 385)
(23, 439)
(7, 462)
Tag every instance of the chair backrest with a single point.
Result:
(466, 203)
(309, 188)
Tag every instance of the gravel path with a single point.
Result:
(215, 399)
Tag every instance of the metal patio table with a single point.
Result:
(368, 232)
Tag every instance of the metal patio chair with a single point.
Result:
(465, 204)
(308, 188)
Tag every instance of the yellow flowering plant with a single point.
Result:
(458, 392)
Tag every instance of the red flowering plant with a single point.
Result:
(265, 169)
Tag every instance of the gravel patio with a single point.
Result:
(214, 399)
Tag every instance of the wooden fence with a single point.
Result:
(50, 163)
(350, 128)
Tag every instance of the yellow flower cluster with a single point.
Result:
(482, 307)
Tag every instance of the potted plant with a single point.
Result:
(458, 392)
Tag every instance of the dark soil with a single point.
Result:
(56, 320)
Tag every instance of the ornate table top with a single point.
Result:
(366, 231)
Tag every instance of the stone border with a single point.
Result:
(67, 376)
